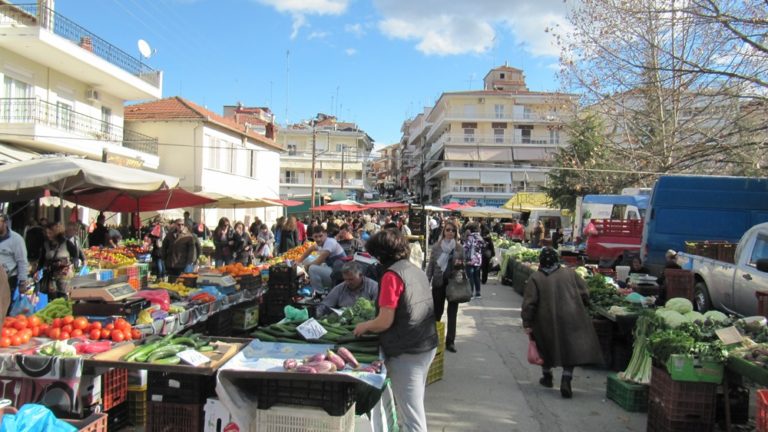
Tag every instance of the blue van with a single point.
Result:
(685, 208)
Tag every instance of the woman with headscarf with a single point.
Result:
(446, 257)
(554, 312)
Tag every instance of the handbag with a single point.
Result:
(458, 290)
(533, 352)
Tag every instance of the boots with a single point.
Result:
(546, 379)
(565, 387)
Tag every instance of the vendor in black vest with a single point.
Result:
(406, 321)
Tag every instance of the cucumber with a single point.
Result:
(207, 348)
(166, 351)
(352, 338)
(264, 337)
(290, 340)
(141, 352)
(170, 360)
(183, 341)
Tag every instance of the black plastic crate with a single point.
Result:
(334, 397)
(220, 324)
(117, 417)
(739, 401)
(175, 417)
(282, 275)
(179, 388)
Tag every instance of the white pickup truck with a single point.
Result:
(731, 287)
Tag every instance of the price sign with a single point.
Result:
(416, 222)
(311, 329)
(193, 357)
(729, 335)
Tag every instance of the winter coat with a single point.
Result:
(289, 239)
(435, 275)
(182, 251)
(555, 307)
(473, 249)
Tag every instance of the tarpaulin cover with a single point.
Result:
(121, 201)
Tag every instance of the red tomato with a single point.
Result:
(127, 335)
(12, 331)
(5, 332)
(77, 333)
(15, 340)
(64, 335)
(25, 338)
(105, 333)
(54, 333)
(9, 321)
(20, 325)
(109, 326)
(5, 342)
(136, 334)
(43, 327)
(34, 321)
(118, 336)
(95, 334)
(35, 331)
(80, 323)
(56, 322)
(67, 328)
(68, 319)
(96, 325)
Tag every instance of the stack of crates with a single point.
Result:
(137, 399)
(435, 372)
(679, 283)
(282, 287)
(679, 405)
(143, 275)
(176, 401)
(114, 397)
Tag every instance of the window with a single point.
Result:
(498, 110)
(760, 250)
(106, 118)
(527, 113)
(340, 148)
(291, 149)
(318, 174)
(469, 135)
(526, 136)
(63, 115)
(290, 177)
(554, 136)
(498, 136)
(501, 75)
(15, 109)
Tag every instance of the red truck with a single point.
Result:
(613, 238)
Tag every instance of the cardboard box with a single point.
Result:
(217, 417)
(90, 390)
(245, 318)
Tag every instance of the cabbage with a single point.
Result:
(671, 318)
(694, 316)
(679, 304)
(716, 316)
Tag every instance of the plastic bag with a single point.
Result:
(23, 305)
(295, 314)
(34, 418)
(156, 297)
(533, 353)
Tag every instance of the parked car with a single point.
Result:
(731, 287)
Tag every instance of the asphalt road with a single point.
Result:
(489, 385)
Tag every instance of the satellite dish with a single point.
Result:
(144, 49)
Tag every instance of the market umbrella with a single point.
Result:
(455, 206)
(64, 174)
(386, 205)
(286, 202)
(344, 202)
(124, 201)
(237, 201)
(338, 207)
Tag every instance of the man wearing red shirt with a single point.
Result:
(517, 234)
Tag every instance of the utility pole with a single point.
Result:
(343, 147)
(314, 156)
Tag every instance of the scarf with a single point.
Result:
(447, 247)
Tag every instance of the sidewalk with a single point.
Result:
(489, 385)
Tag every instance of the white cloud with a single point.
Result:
(356, 29)
(299, 9)
(318, 35)
(350, 51)
(459, 27)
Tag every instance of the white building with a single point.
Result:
(485, 145)
(211, 153)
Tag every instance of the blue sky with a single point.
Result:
(373, 62)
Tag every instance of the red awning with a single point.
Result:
(456, 206)
(121, 201)
(386, 205)
(338, 207)
(286, 202)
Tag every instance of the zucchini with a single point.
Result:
(264, 337)
(170, 360)
(183, 340)
(207, 348)
(352, 338)
(166, 351)
(290, 340)
(141, 351)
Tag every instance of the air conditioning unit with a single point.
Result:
(91, 94)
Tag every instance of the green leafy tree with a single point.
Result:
(586, 165)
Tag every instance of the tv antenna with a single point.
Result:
(145, 50)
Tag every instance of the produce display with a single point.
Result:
(58, 308)
(110, 258)
(523, 254)
(20, 329)
(179, 288)
(330, 362)
(292, 254)
(164, 350)
(75, 348)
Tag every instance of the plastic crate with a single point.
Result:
(435, 372)
(739, 404)
(220, 324)
(440, 336)
(298, 419)
(604, 330)
(606, 272)
(679, 283)
(630, 396)
(179, 387)
(189, 282)
(659, 421)
(137, 408)
(114, 388)
(691, 369)
(174, 417)
(117, 417)
(332, 396)
(761, 417)
(282, 275)
(682, 401)
(96, 422)
(250, 282)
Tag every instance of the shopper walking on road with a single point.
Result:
(473, 257)
(555, 312)
(446, 257)
(406, 322)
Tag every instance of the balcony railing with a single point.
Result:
(61, 116)
(351, 157)
(32, 14)
(488, 139)
(322, 181)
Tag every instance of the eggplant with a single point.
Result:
(306, 369)
(289, 364)
(335, 359)
(315, 358)
(348, 357)
(323, 366)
